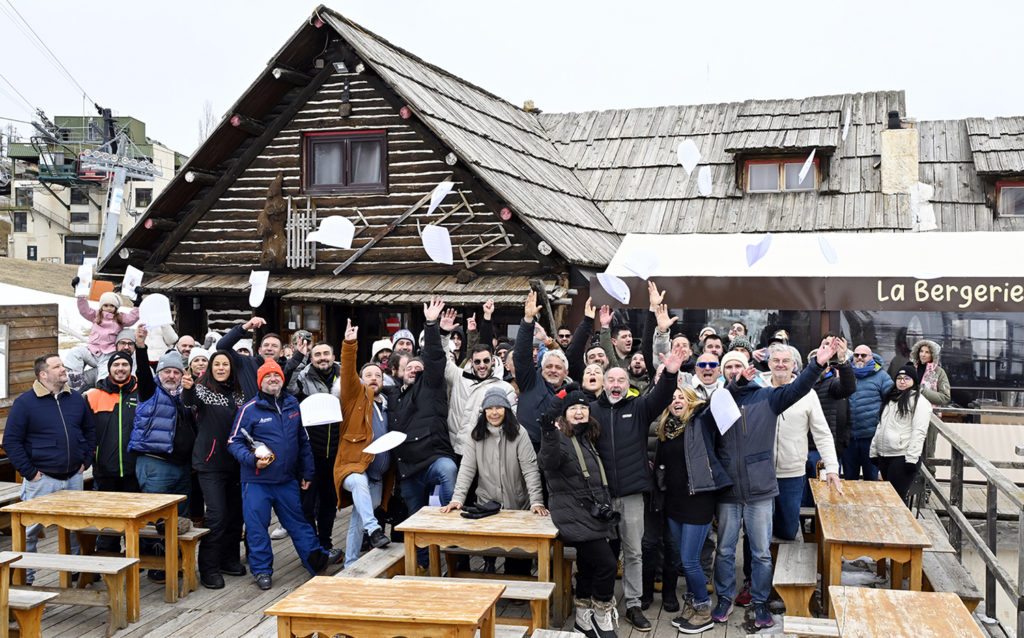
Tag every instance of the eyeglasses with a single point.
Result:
(707, 364)
(126, 343)
(859, 355)
(481, 362)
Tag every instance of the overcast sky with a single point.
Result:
(159, 61)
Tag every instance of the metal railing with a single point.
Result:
(963, 454)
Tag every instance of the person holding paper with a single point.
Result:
(364, 480)
(746, 448)
(216, 398)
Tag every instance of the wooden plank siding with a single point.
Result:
(31, 332)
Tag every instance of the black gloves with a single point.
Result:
(481, 510)
(74, 282)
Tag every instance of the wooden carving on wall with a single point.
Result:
(270, 226)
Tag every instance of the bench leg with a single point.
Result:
(539, 612)
(29, 621)
(797, 600)
(117, 600)
(189, 582)
(567, 606)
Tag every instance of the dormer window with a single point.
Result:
(773, 175)
(1010, 198)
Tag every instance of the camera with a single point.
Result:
(604, 512)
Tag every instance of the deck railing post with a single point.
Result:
(956, 497)
(991, 500)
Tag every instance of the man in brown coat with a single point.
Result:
(360, 478)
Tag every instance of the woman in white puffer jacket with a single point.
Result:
(899, 439)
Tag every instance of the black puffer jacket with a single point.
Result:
(623, 441)
(323, 439)
(421, 410)
(216, 412)
(570, 495)
(833, 388)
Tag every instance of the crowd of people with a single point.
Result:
(610, 435)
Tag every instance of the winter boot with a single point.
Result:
(606, 618)
(699, 622)
(585, 617)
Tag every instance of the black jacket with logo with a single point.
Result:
(113, 414)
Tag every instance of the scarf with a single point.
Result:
(673, 427)
(866, 371)
(929, 378)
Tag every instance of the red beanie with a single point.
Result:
(268, 366)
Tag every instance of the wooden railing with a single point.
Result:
(963, 454)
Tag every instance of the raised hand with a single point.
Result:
(530, 308)
(749, 373)
(606, 316)
(655, 297)
(448, 319)
(432, 310)
(488, 309)
(140, 335)
(540, 333)
(255, 322)
(471, 322)
(842, 351)
(828, 348)
(664, 320)
(589, 309)
(674, 359)
(187, 381)
(351, 332)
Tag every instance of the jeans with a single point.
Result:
(690, 540)
(157, 476)
(595, 570)
(320, 501)
(416, 491)
(786, 521)
(813, 456)
(45, 485)
(756, 520)
(857, 457)
(257, 499)
(631, 533)
(366, 495)
(222, 492)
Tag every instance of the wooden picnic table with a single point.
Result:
(120, 511)
(382, 608)
(876, 493)
(878, 532)
(863, 612)
(507, 530)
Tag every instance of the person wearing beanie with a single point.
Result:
(580, 506)
(272, 448)
(500, 457)
(403, 341)
(741, 344)
(898, 442)
(866, 402)
(198, 361)
(107, 323)
(163, 432)
(271, 348)
(381, 350)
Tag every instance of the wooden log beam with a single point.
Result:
(195, 176)
(160, 224)
(249, 125)
(238, 167)
(290, 75)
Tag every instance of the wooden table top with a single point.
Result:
(871, 525)
(504, 523)
(863, 612)
(451, 602)
(127, 505)
(878, 493)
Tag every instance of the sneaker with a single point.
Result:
(378, 539)
(743, 599)
(699, 622)
(635, 617)
(762, 617)
(279, 533)
(721, 611)
(184, 524)
(263, 581)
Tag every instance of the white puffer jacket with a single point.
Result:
(902, 436)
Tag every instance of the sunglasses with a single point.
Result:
(481, 361)
(857, 355)
(707, 364)
(564, 334)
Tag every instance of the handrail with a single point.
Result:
(960, 452)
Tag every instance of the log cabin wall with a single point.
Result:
(225, 240)
(31, 332)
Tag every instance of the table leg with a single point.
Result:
(410, 553)
(284, 627)
(17, 545)
(835, 572)
(171, 553)
(487, 626)
(435, 560)
(64, 547)
(131, 550)
(915, 569)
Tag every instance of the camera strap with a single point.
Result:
(583, 463)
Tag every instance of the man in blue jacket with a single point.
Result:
(272, 477)
(873, 383)
(536, 387)
(746, 450)
(49, 438)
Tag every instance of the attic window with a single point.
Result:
(337, 162)
(779, 174)
(1010, 196)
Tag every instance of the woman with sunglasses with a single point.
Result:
(899, 439)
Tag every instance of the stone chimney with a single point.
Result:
(900, 154)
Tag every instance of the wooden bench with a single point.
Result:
(943, 572)
(551, 633)
(796, 574)
(27, 607)
(807, 522)
(929, 522)
(387, 562)
(810, 627)
(533, 592)
(114, 571)
(187, 544)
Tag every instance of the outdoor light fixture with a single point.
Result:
(360, 67)
(450, 159)
(339, 67)
(544, 248)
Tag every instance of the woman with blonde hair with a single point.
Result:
(689, 475)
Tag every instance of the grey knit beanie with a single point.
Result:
(170, 359)
(495, 397)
